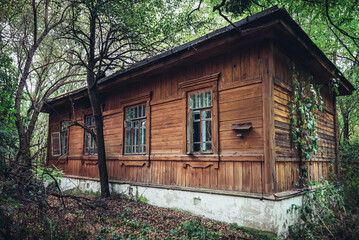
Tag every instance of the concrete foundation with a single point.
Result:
(264, 213)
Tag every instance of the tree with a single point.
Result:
(28, 31)
(112, 35)
(332, 25)
(8, 76)
(348, 107)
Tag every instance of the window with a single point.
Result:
(90, 141)
(63, 137)
(135, 129)
(55, 143)
(199, 131)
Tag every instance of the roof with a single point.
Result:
(273, 13)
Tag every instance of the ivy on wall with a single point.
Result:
(304, 108)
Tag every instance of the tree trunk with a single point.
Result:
(100, 141)
(96, 108)
(23, 155)
(346, 128)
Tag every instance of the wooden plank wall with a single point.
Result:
(287, 162)
(240, 100)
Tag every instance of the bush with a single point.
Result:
(323, 214)
(349, 160)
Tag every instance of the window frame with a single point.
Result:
(209, 82)
(61, 138)
(91, 138)
(144, 98)
(55, 135)
(190, 122)
(132, 129)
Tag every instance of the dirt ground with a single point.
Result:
(120, 218)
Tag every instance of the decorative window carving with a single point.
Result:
(135, 129)
(200, 97)
(90, 141)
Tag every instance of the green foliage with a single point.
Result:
(336, 36)
(47, 174)
(194, 230)
(78, 191)
(304, 108)
(323, 214)
(349, 160)
(140, 198)
(7, 119)
(323, 211)
(249, 232)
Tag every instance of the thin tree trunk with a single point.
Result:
(23, 155)
(96, 108)
(346, 127)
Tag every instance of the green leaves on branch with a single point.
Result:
(304, 108)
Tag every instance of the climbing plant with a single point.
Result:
(304, 108)
(322, 211)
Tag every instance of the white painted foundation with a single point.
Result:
(262, 214)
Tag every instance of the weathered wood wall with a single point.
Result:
(237, 166)
(287, 161)
(254, 86)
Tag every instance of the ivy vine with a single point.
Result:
(304, 108)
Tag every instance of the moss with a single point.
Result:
(140, 198)
(257, 233)
(116, 181)
(77, 191)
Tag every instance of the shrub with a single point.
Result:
(323, 214)
(349, 160)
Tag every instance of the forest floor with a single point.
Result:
(118, 217)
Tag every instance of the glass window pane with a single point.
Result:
(196, 147)
(135, 112)
(203, 126)
(132, 113)
(199, 100)
(127, 113)
(143, 123)
(128, 140)
(64, 126)
(207, 99)
(206, 114)
(86, 142)
(142, 139)
(128, 149)
(192, 101)
(208, 131)
(140, 111)
(207, 147)
(135, 140)
(64, 143)
(196, 115)
(92, 146)
(144, 110)
(196, 132)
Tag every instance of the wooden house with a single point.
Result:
(205, 126)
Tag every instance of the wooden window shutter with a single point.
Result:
(190, 132)
(55, 143)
